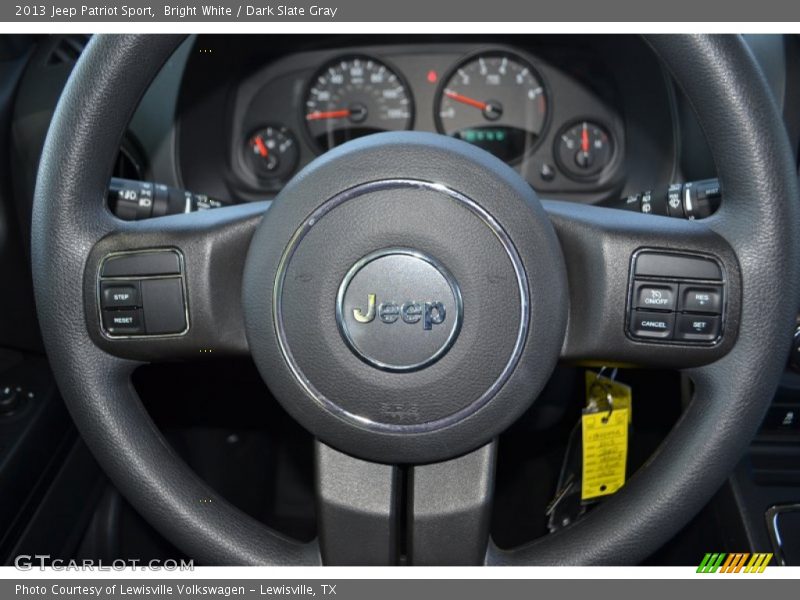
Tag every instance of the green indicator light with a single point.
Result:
(483, 135)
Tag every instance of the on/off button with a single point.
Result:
(654, 297)
(654, 325)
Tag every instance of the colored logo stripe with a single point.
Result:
(710, 563)
(758, 563)
(735, 562)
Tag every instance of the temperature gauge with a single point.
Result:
(584, 149)
(271, 154)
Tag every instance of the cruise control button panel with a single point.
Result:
(143, 293)
(675, 297)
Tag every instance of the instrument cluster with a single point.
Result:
(559, 133)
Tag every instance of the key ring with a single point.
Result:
(610, 400)
(605, 390)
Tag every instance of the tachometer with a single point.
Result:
(355, 96)
(495, 100)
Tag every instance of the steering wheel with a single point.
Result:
(406, 298)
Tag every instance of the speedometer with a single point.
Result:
(355, 96)
(495, 100)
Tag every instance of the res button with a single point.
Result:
(707, 299)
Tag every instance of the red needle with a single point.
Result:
(585, 139)
(331, 114)
(466, 100)
(262, 147)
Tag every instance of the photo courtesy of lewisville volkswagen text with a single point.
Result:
(282, 289)
(162, 589)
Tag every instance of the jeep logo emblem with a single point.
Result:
(430, 313)
(408, 290)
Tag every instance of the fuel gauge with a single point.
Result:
(270, 153)
(584, 149)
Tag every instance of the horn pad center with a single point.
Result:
(397, 311)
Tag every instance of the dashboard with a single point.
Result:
(591, 118)
(580, 118)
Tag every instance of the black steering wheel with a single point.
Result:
(406, 298)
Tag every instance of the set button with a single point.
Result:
(697, 328)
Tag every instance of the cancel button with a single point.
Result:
(654, 325)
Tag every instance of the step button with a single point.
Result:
(654, 325)
(119, 295)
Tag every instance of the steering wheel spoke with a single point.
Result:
(449, 509)
(358, 509)
(646, 290)
(170, 288)
(421, 515)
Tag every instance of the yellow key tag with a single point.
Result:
(605, 451)
(599, 386)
